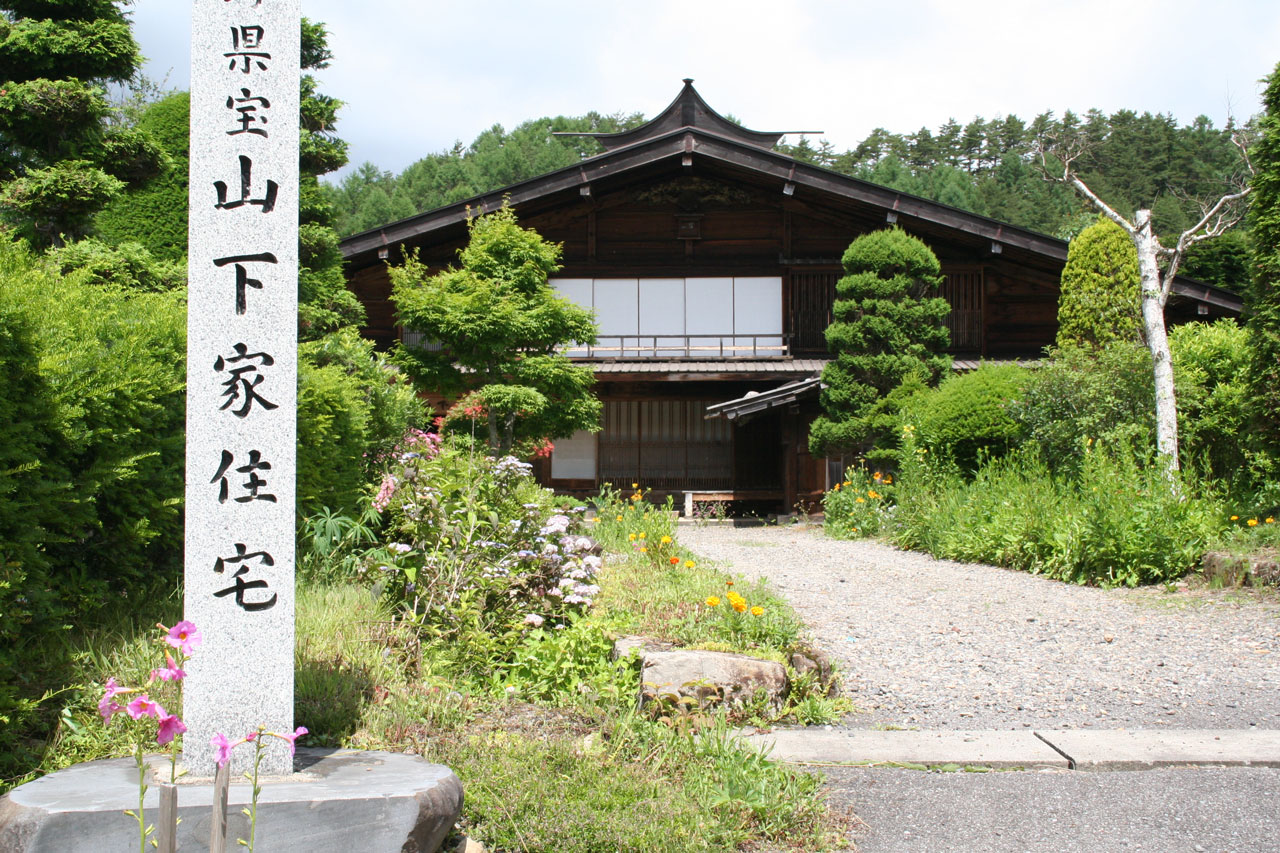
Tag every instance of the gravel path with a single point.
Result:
(939, 645)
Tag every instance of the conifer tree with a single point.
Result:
(324, 302)
(1263, 303)
(59, 164)
(1101, 298)
(888, 326)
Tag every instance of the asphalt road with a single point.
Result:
(1223, 810)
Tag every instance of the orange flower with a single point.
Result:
(757, 611)
(675, 561)
(739, 606)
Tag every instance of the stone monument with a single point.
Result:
(242, 374)
(241, 451)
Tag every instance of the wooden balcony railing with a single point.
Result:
(683, 346)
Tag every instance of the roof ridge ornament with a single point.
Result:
(688, 110)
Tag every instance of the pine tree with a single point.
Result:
(889, 326)
(60, 164)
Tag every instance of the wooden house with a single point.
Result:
(710, 260)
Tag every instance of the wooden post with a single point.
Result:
(167, 840)
(218, 822)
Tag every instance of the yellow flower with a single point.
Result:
(1253, 522)
(1270, 520)
(757, 611)
(888, 481)
(847, 483)
(871, 493)
(635, 485)
(619, 518)
(631, 537)
(836, 488)
(739, 606)
(688, 564)
(644, 550)
(860, 500)
(1235, 518)
(713, 601)
(666, 540)
(641, 534)
(877, 476)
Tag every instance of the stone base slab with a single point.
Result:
(335, 802)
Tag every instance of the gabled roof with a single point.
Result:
(760, 401)
(689, 133)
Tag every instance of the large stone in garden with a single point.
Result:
(712, 677)
(337, 801)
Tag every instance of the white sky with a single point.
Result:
(418, 76)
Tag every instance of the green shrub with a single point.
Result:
(1211, 366)
(966, 418)
(1120, 520)
(129, 265)
(333, 434)
(1079, 395)
(92, 418)
(155, 214)
(352, 407)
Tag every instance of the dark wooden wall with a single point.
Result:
(645, 231)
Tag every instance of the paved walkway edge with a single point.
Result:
(1061, 749)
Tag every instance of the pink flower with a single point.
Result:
(106, 706)
(297, 733)
(170, 726)
(144, 707)
(170, 672)
(219, 742)
(184, 636)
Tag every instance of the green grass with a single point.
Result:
(576, 772)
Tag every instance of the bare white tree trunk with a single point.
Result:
(1154, 296)
(1155, 290)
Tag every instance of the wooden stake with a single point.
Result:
(218, 825)
(167, 839)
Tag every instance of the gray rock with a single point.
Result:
(712, 677)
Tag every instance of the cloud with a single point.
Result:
(418, 77)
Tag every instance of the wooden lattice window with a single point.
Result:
(963, 289)
(812, 294)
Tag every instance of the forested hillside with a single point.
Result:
(986, 166)
(369, 197)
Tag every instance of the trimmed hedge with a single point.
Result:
(966, 418)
